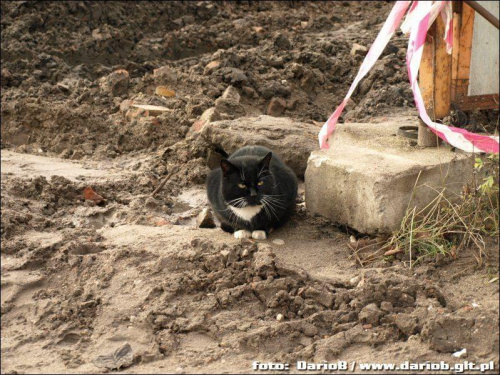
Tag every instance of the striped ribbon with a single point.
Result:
(420, 16)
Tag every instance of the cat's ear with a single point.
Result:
(267, 159)
(226, 167)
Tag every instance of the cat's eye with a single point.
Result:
(260, 183)
(242, 185)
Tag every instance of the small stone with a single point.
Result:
(211, 66)
(117, 82)
(278, 242)
(90, 194)
(276, 107)
(210, 115)
(224, 253)
(279, 317)
(386, 306)
(162, 222)
(406, 323)
(231, 93)
(354, 281)
(282, 42)
(258, 29)
(205, 219)
(244, 253)
(164, 91)
(352, 239)
(358, 50)
(460, 353)
(125, 105)
(370, 314)
(304, 24)
(165, 74)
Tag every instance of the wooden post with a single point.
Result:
(435, 81)
(463, 26)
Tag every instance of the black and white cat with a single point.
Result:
(252, 192)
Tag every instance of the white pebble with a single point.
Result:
(352, 239)
(279, 317)
(278, 242)
(354, 281)
(460, 353)
(244, 253)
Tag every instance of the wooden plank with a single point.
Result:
(426, 72)
(457, 22)
(490, 101)
(426, 82)
(461, 82)
(442, 73)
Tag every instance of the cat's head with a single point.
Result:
(247, 180)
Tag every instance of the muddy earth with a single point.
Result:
(98, 274)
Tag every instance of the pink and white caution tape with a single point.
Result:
(420, 17)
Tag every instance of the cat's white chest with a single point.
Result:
(246, 213)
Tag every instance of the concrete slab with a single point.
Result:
(367, 177)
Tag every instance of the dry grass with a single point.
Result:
(447, 226)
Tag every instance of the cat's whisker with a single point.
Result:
(271, 208)
(275, 201)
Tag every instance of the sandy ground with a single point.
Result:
(197, 300)
(115, 278)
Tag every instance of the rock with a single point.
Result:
(210, 115)
(276, 107)
(354, 281)
(231, 93)
(282, 42)
(165, 74)
(451, 333)
(205, 219)
(230, 106)
(234, 76)
(90, 194)
(406, 323)
(370, 314)
(333, 176)
(164, 91)
(101, 33)
(116, 83)
(121, 358)
(162, 222)
(309, 329)
(292, 141)
(125, 105)
(358, 50)
(279, 317)
(264, 261)
(278, 242)
(211, 66)
(258, 29)
(386, 306)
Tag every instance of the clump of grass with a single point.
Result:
(446, 226)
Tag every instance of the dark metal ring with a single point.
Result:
(408, 131)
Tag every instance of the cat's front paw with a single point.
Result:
(241, 234)
(259, 235)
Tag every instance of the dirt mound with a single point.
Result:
(67, 83)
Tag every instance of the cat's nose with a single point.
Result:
(253, 192)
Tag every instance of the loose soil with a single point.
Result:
(82, 278)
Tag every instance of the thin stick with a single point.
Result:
(173, 172)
